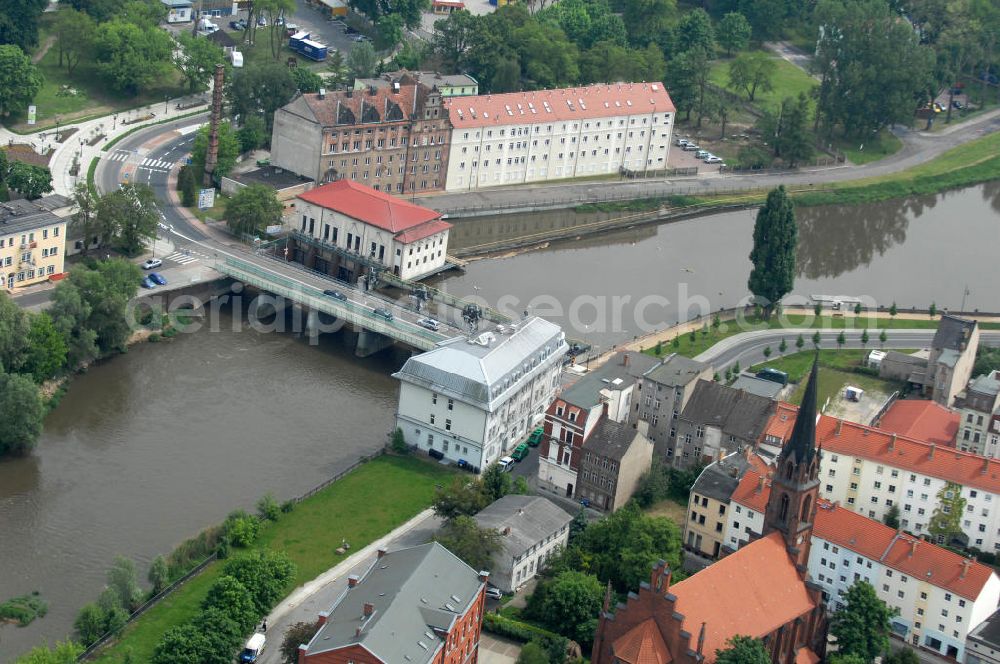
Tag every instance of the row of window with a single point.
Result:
(524, 131)
(28, 237)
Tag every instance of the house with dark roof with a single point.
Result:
(717, 421)
(449, 85)
(393, 139)
(532, 529)
(762, 590)
(953, 352)
(615, 458)
(419, 605)
(982, 645)
(977, 405)
(342, 226)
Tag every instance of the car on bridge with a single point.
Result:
(429, 323)
(148, 283)
(335, 294)
(382, 312)
(157, 278)
(152, 264)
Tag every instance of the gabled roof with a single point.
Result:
(541, 106)
(720, 478)
(376, 208)
(921, 419)
(643, 644)
(782, 421)
(618, 373)
(676, 371)
(917, 456)
(754, 489)
(355, 107)
(737, 413)
(912, 556)
(751, 592)
(953, 332)
(611, 440)
(530, 519)
(416, 594)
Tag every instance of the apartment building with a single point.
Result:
(706, 529)
(557, 134)
(473, 399)
(32, 240)
(664, 391)
(976, 407)
(449, 85)
(393, 139)
(719, 420)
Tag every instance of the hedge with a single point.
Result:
(515, 629)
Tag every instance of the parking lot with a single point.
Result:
(679, 158)
(316, 23)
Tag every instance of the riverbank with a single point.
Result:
(358, 509)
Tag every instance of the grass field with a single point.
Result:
(885, 144)
(360, 508)
(788, 81)
(669, 509)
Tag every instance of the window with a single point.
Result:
(451, 404)
(447, 425)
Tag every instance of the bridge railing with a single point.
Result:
(349, 311)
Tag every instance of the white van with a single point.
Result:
(237, 58)
(253, 649)
(506, 463)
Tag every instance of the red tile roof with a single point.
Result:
(782, 421)
(909, 454)
(909, 555)
(924, 420)
(643, 644)
(751, 491)
(587, 102)
(805, 655)
(763, 578)
(423, 230)
(377, 208)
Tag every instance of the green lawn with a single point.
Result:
(360, 508)
(788, 81)
(833, 381)
(885, 144)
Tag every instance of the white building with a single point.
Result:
(473, 399)
(940, 596)
(178, 11)
(531, 530)
(869, 471)
(557, 134)
(345, 215)
(976, 406)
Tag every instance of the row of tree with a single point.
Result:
(26, 180)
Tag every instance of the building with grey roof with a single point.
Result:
(977, 405)
(32, 240)
(531, 529)
(416, 605)
(662, 394)
(709, 501)
(953, 352)
(614, 459)
(758, 386)
(982, 644)
(718, 420)
(449, 85)
(473, 399)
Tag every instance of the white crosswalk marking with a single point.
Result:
(182, 258)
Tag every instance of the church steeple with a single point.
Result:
(791, 507)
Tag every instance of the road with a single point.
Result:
(748, 347)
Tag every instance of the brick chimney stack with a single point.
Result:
(381, 552)
(352, 581)
(369, 609)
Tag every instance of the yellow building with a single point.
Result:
(32, 240)
(708, 503)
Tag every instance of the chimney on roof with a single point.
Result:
(760, 484)
(369, 609)
(701, 639)
(986, 466)
(506, 530)
(625, 359)
(913, 547)
(321, 617)
(840, 425)
(484, 576)
(352, 580)
(381, 552)
(892, 442)
(966, 564)
(931, 454)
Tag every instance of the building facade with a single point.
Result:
(719, 420)
(420, 604)
(557, 134)
(449, 85)
(709, 503)
(32, 240)
(614, 459)
(953, 353)
(532, 529)
(976, 407)
(393, 139)
(664, 391)
(474, 399)
(982, 646)
(349, 226)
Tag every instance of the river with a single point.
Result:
(149, 447)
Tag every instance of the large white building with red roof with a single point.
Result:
(557, 134)
(345, 219)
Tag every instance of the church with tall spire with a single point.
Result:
(762, 590)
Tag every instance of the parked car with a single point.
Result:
(360, 38)
(520, 452)
(253, 648)
(712, 159)
(382, 312)
(958, 104)
(773, 375)
(152, 264)
(429, 323)
(691, 147)
(235, 25)
(348, 30)
(702, 154)
(506, 463)
(536, 437)
(261, 21)
(335, 294)
(148, 283)
(681, 142)
(157, 278)
(494, 593)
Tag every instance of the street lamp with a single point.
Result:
(114, 121)
(166, 98)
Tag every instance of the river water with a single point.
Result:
(150, 447)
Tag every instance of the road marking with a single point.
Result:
(181, 258)
(184, 131)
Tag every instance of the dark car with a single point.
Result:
(148, 283)
(382, 313)
(157, 278)
(350, 31)
(773, 375)
(536, 437)
(335, 294)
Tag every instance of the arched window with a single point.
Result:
(783, 514)
(789, 469)
(806, 509)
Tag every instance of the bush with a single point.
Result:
(295, 636)
(24, 609)
(267, 508)
(192, 551)
(515, 629)
(241, 529)
(266, 574)
(288, 506)
(234, 600)
(398, 443)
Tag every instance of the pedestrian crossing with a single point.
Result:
(148, 163)
(181, 257)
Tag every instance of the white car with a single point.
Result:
(681, 142)
(703, 154)
(429, 323)
(494, 593)
(152, 264)
(506, 463)
(712, 159)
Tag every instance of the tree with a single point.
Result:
(89, 623)
(816, 339)
(788, 130)
(253, 134)
(115, 615)
(463, 537)
(893, 311)
(19, 22)
(520, 487)
(453, 37)
(241, 529)
(864, 337)
(122, 580)
(390, 30)
(800, 342)
(932, 310)
(361, 60)
(891, 517)
(946, 520)
(30, 180)
(131, 57)
(532, 653)
(266, 574)
(857, 308)
(733, 33)
(297, 634)
(21, 414)
(775, 235)
(841, 340)
(185, 644)
(14, 331)
(61, 653)
(695, 31)
(337, 69)
(187, 185)
(196, 60)
(222, 634)
(742, 650)
(74, 33)
(462, 496)
(647, 21)
(234, 600)
(569, 604)
(268, 508)
(84, 220)
(128, 217)
(862, 624)
(306, 80)
(46, 350)
(229, 149)
(752, 73)
(261, 91)
(252, 209)
(783, 346)
(159, 574)
(273, 10)
(495, 483)
(882, 337)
